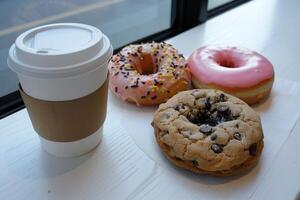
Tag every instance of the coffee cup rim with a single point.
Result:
(89, 62)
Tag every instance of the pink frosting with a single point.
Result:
(246, 68)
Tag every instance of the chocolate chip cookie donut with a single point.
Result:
(208, 131)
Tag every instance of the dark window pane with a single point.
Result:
(122, 20)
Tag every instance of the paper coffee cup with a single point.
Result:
(62, 69)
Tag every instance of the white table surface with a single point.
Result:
(128, 163)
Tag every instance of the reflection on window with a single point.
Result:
(122, 20)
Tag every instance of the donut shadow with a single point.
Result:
(129, 106)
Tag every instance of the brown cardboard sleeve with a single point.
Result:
(67, 121)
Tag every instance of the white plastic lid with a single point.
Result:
(59, 50)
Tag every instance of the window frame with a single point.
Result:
(227, 6)
(185, 14)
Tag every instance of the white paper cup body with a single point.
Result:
(72, 149)
(61, 62)
(65, 88)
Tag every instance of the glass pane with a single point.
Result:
(216, 3)
(122, 20)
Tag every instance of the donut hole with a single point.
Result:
(227, 63)
(145, 65)
(228, 60)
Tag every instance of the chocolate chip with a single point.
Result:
(195, 163)
(222, 97)
(207, 103)
(219, 119)
(206, 129)
(134, 86)
(116, 89)
(213, 122)
(200, 118)
(253, 149)
(179, 159)
(217, 148)
(191, 118)
(237, 126)
(177, 108)
(223, 108)
(237, 136)
(213, 137)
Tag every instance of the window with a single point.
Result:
(123, 21)
(216, 3)
(215, 7)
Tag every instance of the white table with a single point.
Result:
(128, 163)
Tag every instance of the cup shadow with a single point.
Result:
(41, 165)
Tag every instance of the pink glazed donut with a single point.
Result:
(237, 71)
(148, 74)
